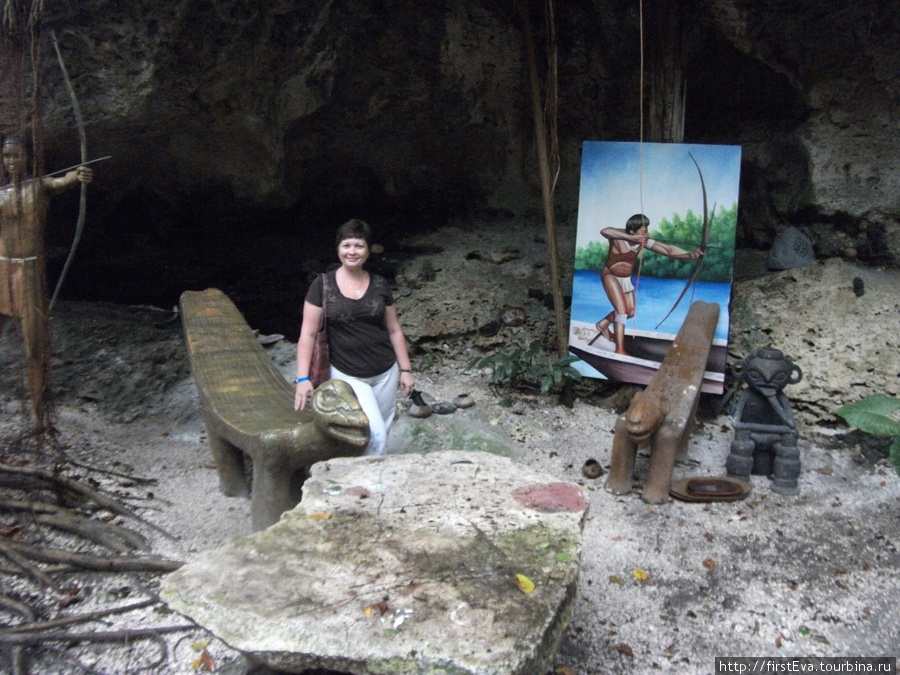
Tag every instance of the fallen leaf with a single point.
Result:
(525, 584)
(204, 662)
(623, 648)
(565, 670)
(200, 645)
(544, 544)
(320, 516)
(614, 579)
(640, 575)
(563, 556)
(709, 563)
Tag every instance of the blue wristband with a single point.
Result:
(302, 379)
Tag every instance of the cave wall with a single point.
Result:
(232, 121)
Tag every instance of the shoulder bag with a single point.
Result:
(320, 363)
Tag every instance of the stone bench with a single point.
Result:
(248, 407)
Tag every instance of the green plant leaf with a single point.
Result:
(871, 415)
(894, 455)
(545, 384)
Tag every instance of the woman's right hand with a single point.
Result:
(302, 394)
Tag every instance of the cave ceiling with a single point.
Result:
(228, 119)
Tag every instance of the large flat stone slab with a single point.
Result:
(399, 564)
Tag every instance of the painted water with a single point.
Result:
(654, 298)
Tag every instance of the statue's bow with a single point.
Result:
(82, 204)
(704, 240)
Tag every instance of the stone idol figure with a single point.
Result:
(765, 438)
(23, 293)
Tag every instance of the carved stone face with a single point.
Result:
(338, 414)
(769, 371)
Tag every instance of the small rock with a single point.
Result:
(592, 469)
(490, 329)
(513, 316)
(443, 408)
(464, 401)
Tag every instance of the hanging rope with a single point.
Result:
(637, 284)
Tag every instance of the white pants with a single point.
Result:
(377, 397)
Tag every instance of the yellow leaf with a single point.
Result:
(205, 662)
(320, 516)
(525, 584)
(200, 645)
(368, 611)
(639, 574)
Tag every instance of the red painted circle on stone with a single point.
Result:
(551, 497)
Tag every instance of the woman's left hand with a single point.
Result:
(407, 383)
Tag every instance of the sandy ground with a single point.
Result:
(663, 588)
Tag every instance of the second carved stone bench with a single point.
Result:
(663, 414)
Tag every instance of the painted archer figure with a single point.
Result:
(23, 210)
(624, 247)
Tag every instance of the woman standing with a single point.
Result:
(366, 343)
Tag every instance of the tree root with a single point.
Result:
(34, 627)
(56, 502)
(48, 479)
(91, 562)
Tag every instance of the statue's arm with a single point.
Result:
(83, 174)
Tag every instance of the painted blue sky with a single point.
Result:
(617, 178)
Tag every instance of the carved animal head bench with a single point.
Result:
(663, 414)
(248, 407)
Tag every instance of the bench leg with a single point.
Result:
(621, 465)
(670, 440)
(272, 493)
(229, 465)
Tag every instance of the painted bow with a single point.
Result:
(82, 204)
(704, 240)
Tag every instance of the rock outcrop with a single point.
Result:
(847, 344)
(229, 120)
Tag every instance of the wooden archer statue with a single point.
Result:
(23, 292)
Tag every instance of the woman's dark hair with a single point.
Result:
(636, 222)
(354, 229)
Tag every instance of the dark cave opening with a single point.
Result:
(150, 248)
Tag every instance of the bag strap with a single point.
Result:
(324, 300)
